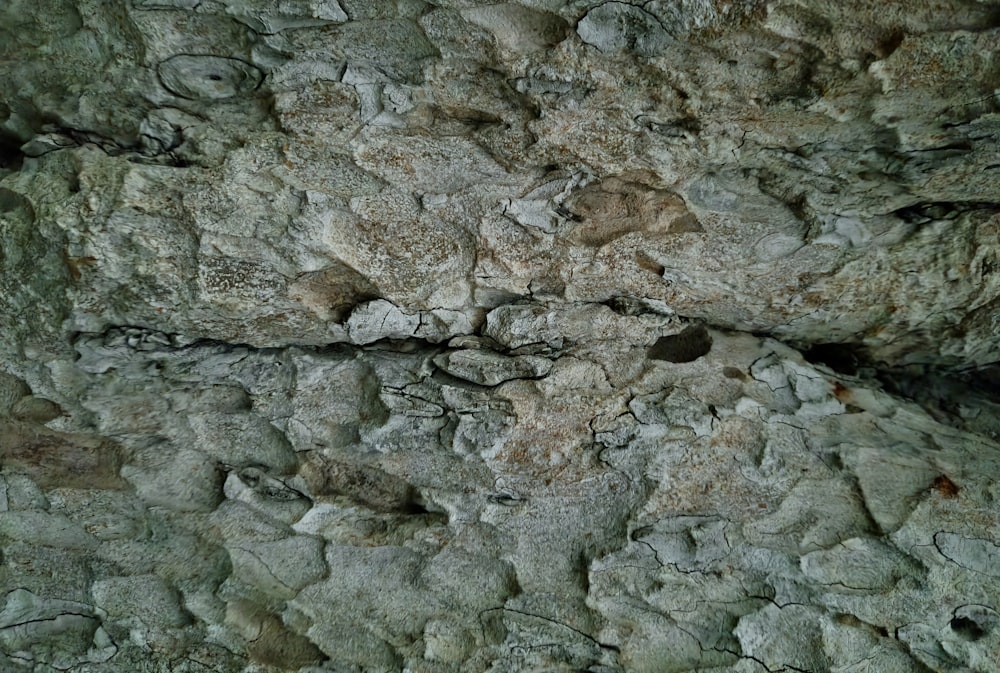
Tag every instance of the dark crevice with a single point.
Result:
(841, 358)
(693, 342)
(11, 156)
(920, 213)
(946, 392)
(967, 629)
(941, 390)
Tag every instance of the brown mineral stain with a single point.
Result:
(945, 487)
(733, 373)
(269, 641)
(366, 484)
(54, 459)
(77, 265)
(618, 205)
(840, 392)
(649, 264)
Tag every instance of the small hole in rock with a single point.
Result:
(693, 342)
(841, 358)
(967, 629)
(889, 43)
(11, 156)
(215, 78)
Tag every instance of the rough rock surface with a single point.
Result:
(341, 336)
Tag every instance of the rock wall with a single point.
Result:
(349, 337)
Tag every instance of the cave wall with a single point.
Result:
(539, 336)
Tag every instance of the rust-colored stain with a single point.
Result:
(367, 484)
(53, 459)
(841, 392)
(649, 264)
(77, 265)
(617, 205)
(945, 487)
(734, 373)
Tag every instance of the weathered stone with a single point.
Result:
(12, 389)
(145, 598)
(379, 336)
(244, 439)
(616, 26)
(270, 642)
(491, 369)
(519, 28)
(365, 484)
(50, 632)
(259, 549)
(36, 410)
(334, 402)
(185, 480)
(61, 459)
(206, 77)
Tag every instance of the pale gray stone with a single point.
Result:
(205, 77)
(244, 439)
(492, 369)
(518, 28)
(146, 598)
(615, 26)
(39, 631)
(508, 337)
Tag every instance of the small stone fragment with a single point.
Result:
(366, 484)
(12, 389)
(335, 402)
(619, 26)
(56, 634)
(518, 28)
(269, 641)
(978, 554)
(208, 78)
(36, 410)
(446, 641)
(858, 564)
(244, 439)
(144, 597)
(266, 493)
(186, 480)
(490, 369)
(783, 637)
(380, 319)
(259, 548)
(47, 529)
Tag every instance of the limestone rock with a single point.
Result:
(145, 598)
(39, 631)
(491, 369)
(535, 335)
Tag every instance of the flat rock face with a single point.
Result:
(343, 336)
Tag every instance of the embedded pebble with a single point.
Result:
(366, 484)
(146, 598)
(244, 439)
(208, 78)
(615, 26)
(492, 369)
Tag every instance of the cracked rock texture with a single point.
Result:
(549, 336)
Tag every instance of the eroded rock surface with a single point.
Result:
(447, 336)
